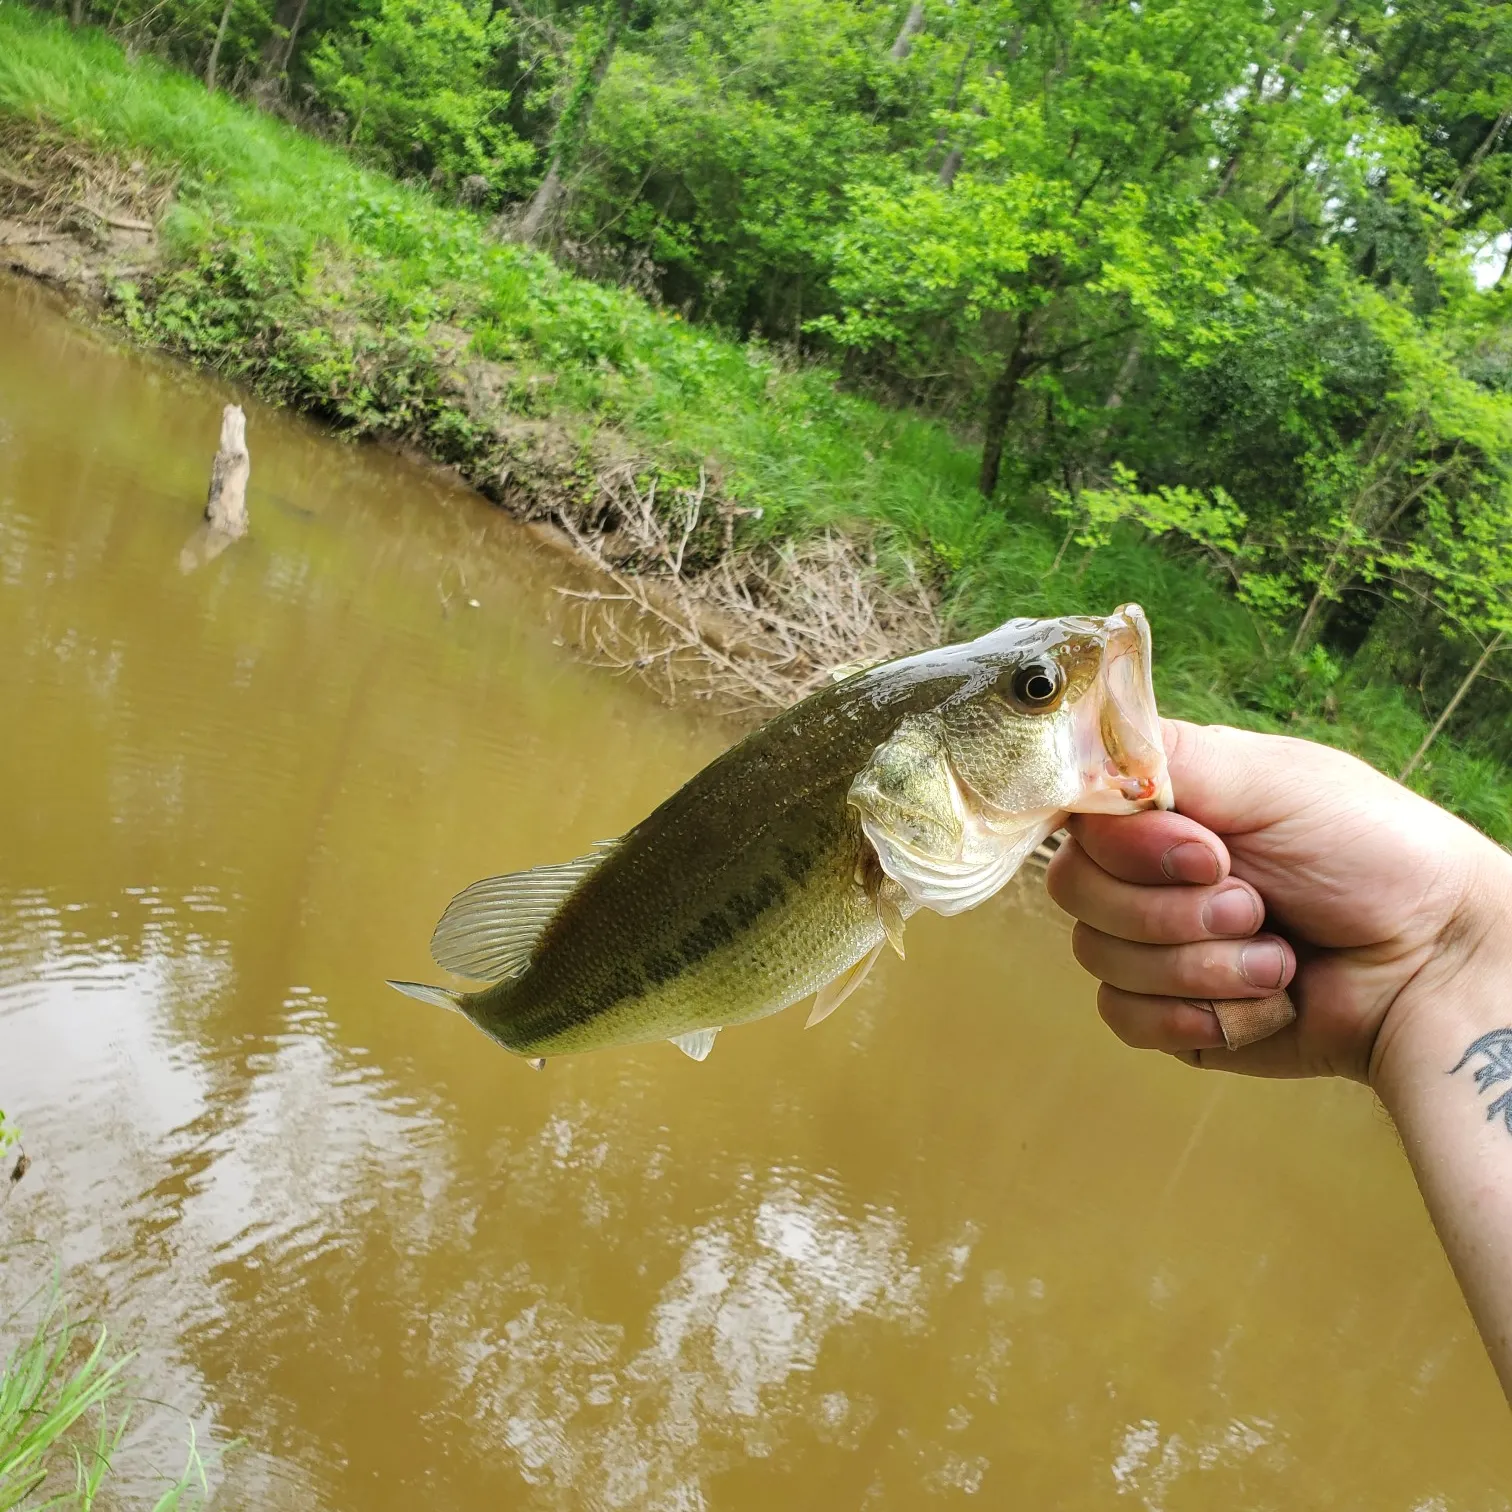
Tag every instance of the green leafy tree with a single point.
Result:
(414, 82)
(1082, 211)
(592, 50)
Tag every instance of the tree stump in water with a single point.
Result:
(226, 507)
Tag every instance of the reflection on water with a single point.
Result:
(952, 1244)
(757, 1292)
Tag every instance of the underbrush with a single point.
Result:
(335, 289)
(65, 1407)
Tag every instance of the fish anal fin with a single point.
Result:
(490, 930)
(832, 994)
(696, 1044)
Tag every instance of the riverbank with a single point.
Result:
(274, 258)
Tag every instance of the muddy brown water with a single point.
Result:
(954, 1244)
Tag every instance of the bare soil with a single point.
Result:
(73, 218)
(683, 605)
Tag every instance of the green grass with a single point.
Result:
(64, 1411)
(333, 288)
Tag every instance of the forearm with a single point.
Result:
(1446, 1079)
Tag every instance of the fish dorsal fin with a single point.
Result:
(832, 994)
(489, 930)
(696, 1044)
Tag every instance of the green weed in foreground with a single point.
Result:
(64, 1411)
(325, 284)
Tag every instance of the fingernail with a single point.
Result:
(1191, 861)
(1263, 964)
(1234, 911)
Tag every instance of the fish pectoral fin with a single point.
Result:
(890, 916)
(490, 930)
(926, 831)
(696, 1044)
(832, 994)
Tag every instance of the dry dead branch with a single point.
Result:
(753, 628)
(52, 183)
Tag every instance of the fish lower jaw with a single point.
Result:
(1122, 795)
(1110, 785)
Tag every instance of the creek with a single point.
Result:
(955, 1241)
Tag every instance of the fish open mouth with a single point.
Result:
(1133, 766)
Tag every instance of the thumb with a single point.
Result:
(1237, 781)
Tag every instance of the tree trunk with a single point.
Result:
(1328, 587)
(571, 125)
(220, 36)
(913, 24)
(226, 505)
(279, 48)
(1258, 101)
(1000, 400)
(1488, 651)
(957, 154)
(1473, 167)
(1126, 371)
(541, 210)
(952, 164)
(76, 12)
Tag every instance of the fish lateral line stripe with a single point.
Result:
(787, 863)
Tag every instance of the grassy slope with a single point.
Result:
(283, 247)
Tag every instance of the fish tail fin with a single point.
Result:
(438, 997)
(467, 1004)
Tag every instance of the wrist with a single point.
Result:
(1459, 993)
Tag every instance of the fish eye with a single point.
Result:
(1037, 685)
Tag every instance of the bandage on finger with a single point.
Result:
(1244, 1021)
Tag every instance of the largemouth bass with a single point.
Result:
(784, 866)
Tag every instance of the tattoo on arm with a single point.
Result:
(1496, 1047)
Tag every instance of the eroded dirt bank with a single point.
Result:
(683, 604)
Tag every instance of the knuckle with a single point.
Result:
(1164, 916)
(1060, 879)
(1207, 971)
(1086, 947)
(1113, 1007)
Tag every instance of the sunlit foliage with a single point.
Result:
(1232, 274)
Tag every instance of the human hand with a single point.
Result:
(1379, 901)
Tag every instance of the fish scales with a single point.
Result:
(741, 886)
(781, 868)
